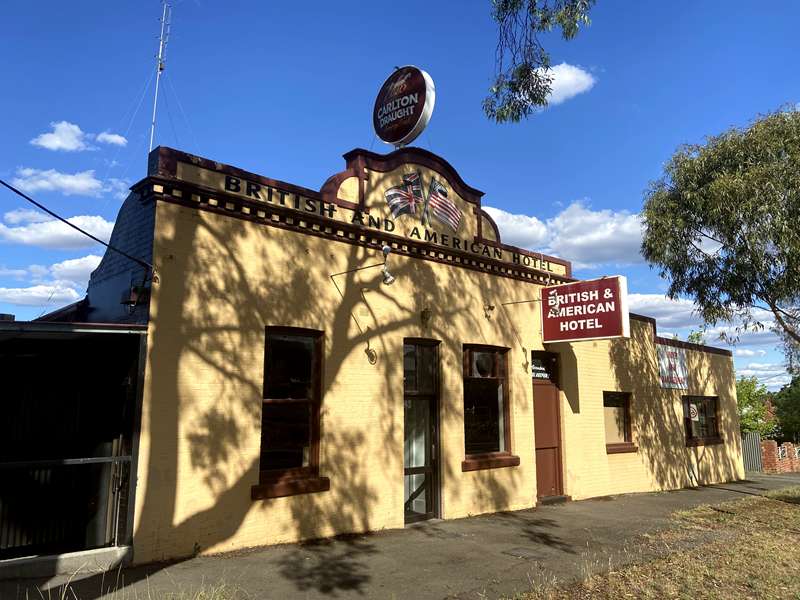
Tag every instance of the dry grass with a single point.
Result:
(218, 591)
(748, 548)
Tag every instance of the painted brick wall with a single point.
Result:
(222, 280)
(663, 461)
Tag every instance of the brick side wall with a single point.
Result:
(772, 460)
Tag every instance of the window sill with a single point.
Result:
(706, 441)
(621, 448)
(477, 462)
(291, 487)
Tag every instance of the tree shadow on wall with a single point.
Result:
(219, 287)
(657, 413)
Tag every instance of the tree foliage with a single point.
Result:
(696, 337)
(752, 398)
(522, 81)
(723, 225)
(787, 410)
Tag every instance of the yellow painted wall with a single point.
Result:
(663, 461)
(221, 280)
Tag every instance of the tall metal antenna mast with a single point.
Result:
(160, 64)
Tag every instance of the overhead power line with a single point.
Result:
(138, 261)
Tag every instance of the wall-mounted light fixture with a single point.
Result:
(388, 278)
(135, 296)
(488, 309)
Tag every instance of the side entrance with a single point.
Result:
(547, 425)
(421, 429)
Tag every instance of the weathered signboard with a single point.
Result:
(672, 366)
(585, 310)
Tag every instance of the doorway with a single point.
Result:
(547, 424)
(421, 429)
(67, 423)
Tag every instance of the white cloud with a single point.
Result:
(65, 136)
(519, 230)
(590, 238)
(39, 295)
(111, 138)
(745, 337)
(674, 314)
(76, 270)
(55, 234)
(568, 82)
(748, 352)
(69, 137)
(25, 215)
(680, 314)
(773, 375)
(15, 273)
(119, 188)
(38, 272)
(60, 283)
(82, 183)
(584, 236)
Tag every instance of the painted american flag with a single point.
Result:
(405, 198)
(441, 207)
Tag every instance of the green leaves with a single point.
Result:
(787, 410)
(522, 81)
(752, 399)
(723, 224)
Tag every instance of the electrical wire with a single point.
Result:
(171, 122)
(183, 112)
(130, 123)
(138, 261)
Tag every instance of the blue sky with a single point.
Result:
(284, 89)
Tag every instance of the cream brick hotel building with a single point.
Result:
(355, 358)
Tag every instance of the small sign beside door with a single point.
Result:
(543, 367)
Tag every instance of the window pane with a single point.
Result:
(410, 367)
(416, 430)
(615, 424)
(289, 367)
(285, 435)
(415, 494)
(426, 365)
(701, 416)
(483, 416)
(615, 415)
(482, 364)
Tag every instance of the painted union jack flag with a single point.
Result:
(404, 199)
(441, 207)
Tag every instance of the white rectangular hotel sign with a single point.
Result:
(585, 310)
(672, 366)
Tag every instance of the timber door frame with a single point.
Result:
(434, 452)
(551, 358)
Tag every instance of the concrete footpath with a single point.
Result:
(479, 557)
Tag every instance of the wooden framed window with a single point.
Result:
(289, 460)
(617, 417)
(701, 420)
(487, 426)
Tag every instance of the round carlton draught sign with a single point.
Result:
(403, 106)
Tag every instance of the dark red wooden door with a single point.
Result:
(546, 425)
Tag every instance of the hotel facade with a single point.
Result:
(306, 363)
